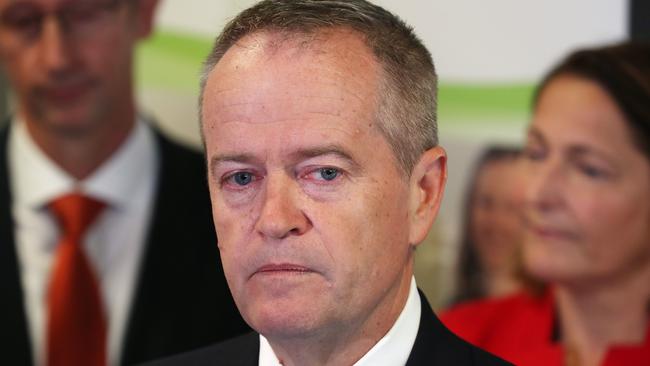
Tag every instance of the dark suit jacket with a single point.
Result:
(181, 301)
(434, 345)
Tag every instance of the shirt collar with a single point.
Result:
(393, 349)
(36, 180)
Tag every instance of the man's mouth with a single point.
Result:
(66, 94)
(282, 268)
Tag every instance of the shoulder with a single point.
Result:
(177, 155)
(502, 326)
(4, 137)
(182, 175)
(471, 317)
(239, 351)
(479, 310)
(446, 348)
(435, 344)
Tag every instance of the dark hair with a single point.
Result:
(407, 104)
(623, 71)
(470, 273)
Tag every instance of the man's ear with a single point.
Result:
(427, 184)
(145, 13)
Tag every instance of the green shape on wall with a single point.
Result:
(171, 60)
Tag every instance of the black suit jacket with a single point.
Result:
(434, 345)
(181, 301)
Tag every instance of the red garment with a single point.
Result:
(76, 332)
(519, 328)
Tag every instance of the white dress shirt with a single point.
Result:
(392, 350)
(114, 243)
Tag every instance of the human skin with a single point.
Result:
(317, 222)
(496, 225)
(587, 217)
(74, 91)
(587, 211)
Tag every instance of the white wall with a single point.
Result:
(471, 40)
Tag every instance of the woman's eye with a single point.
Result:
(592, 171)
(533, 154)
(242, 178)
(328, 173)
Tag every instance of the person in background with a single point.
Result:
(319, 122)
(107, 254)
(490, 251)
(587, 221)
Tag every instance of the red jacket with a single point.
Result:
(519, 328)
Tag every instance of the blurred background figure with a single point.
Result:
(107, 250)
(490, 251)
(587, 221)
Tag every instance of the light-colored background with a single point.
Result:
(489, 55)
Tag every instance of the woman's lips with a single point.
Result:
(552, 233)
(549, 229)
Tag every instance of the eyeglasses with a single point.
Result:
(22, 22)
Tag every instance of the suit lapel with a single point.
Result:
(180, 302)
(13, 330)
(434, 344)
(143, 339)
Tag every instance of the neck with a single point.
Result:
(501, 284)
(80, 152)
(502, 278)
(335, 347)
(593, 318)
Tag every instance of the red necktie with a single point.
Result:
(76, 330)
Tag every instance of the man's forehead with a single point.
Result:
(333, 54)
(265, 67)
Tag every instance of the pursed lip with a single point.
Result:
(67, 93)
(281, 268)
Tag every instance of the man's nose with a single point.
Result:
(281, 215)
(54, 45)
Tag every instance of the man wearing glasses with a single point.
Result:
(107, 255)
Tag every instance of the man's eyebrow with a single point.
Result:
(234, 158)
(301, 154)
(335, 150)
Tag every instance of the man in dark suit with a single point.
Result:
(150, 254)
(325, 174)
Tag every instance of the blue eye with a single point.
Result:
(242, 178)
(328, 173)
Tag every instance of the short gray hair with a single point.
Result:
(406, 111)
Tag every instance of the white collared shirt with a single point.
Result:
(114, 243)
(393, 349)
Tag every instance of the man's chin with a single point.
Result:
(282, 322)
(69, 122)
